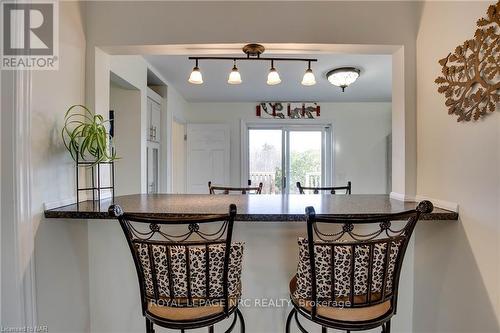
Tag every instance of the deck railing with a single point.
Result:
(313, 179)
(268, 180)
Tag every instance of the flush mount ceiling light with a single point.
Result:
(253, 52)
(343, 77)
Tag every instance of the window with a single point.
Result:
(281, 156)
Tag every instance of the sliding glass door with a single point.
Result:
(265, 152)
(279, 157)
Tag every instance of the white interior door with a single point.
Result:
(207, 156)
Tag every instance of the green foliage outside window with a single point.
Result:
(301, 164)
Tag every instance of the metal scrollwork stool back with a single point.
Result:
(187, 276)
(333, 189)
(216, 189)
(347, 277)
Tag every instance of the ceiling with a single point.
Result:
(374, 84)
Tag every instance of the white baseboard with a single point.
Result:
(448, 205)
(402, 197)
(60, 203)
(71, 201)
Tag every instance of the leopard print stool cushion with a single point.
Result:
(178, 257)
(342, 274)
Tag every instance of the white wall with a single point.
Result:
(61, 250)
(360, 133)
(457, 285)
(176, 111)
(126, 104)
(132, 69)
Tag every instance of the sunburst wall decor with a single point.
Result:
(470, 74)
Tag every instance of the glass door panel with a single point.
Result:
(266, 159)
(304, 159)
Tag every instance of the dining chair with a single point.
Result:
(332, 190)
(187, 276)
(219, 189)
(348, 276)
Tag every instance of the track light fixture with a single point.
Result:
(253, 52)
(273, 77)
(196, 77)
(308, 79)
(234, 76)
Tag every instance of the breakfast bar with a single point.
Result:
(262, 208)
(269, 226)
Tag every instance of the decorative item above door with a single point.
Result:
(288, 110)
(470, 75)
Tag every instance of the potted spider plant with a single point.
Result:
(86, 137)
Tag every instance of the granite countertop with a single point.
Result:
(250, 207)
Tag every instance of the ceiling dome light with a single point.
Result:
(343, 77)
(308, 79)
(195, 77)
(234, 76)
(273, 77)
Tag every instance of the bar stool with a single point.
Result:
(332, 190)
(188, 279)
(348, 278)
(228, 190)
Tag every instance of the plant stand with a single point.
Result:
(96, 186)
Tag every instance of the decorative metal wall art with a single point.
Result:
(470, 75)
(288, 110)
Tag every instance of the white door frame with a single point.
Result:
(309, 124)
(18, 268)
(18, 296)
(178, 120)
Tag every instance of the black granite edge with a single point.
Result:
(57, 214)
(449, 216)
